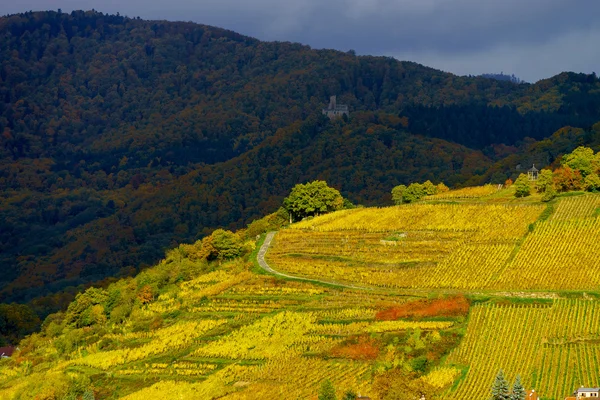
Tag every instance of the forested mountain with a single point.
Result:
(122, 137)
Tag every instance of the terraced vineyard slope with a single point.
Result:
(457, 291)
(462, 246)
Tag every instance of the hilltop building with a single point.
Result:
(335, 110)
(533, 173)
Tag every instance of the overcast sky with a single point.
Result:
(533, 39)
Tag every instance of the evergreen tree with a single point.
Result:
(518, 392)
(327, 391)
(350, 395)
(500, 389)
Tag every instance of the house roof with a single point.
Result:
(584, 389)
(7, 351)
(532, 395)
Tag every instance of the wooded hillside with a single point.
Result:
(122, 137)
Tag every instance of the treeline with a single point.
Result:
(502, 77)
(579, 170)
(479, 126)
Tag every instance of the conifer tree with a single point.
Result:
(327, 391)
(518, 392)
(350, 395)
(500, 389)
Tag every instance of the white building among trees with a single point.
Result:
(335, 110)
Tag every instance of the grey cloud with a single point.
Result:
(521, 37)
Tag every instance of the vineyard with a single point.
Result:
(465, 193)
(238, 335)
(416, 246)
(444, 305)
(580, 207)
(467, 246)
(554, 347)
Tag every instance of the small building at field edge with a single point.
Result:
(6, 352)
(585, 393)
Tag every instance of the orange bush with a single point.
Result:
(363, 348)
(146, 294)
(450, 307)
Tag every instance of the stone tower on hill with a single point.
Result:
(335, 110)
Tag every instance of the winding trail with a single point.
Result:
(265, 266)
(260, 257)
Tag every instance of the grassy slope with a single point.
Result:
(293, 334)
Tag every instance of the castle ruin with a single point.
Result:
(335, 110)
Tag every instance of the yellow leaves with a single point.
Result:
(357, 328)
(347, 314)
(519, 339)
(217, 385)
(413, 246)
(197, 288)
(172, 370)
(441, 377)
(489, 220)
(576, 208)
(264, 339)
(474, 192)
(557, 255)
(177, 336)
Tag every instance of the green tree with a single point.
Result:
(500, 389)
(522, 186)
(592, 183)
(16, 321)
(327, 391)
(313, 198)
(581, 159)
(227, 244)
(545, 180)
(429, 188)
(350, 395)
(518, 391)
(398, 194)
(414, 192)
(81, 312)
(549, 194)
(442, 188)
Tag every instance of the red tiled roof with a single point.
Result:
(7, 351)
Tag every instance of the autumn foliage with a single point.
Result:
(450, 307)
(361, 348)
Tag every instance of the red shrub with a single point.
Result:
(362, 349)
(450, 307)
